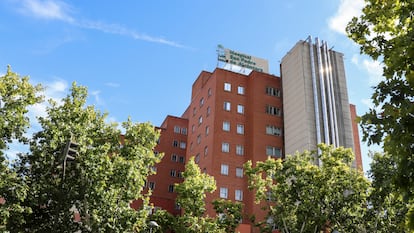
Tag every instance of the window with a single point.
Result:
(181, 159)
(240, 129)
(240, 90)
(239, 172)
(201, 102)
(174, 157)
(223, 192)
(153, 169)
(200, 120)
(177, 129)
(183, 145)
(205, 151)
(224, 169)
(238, 195)
(273, 130)
(173, 173)
(209, 92)
(193, 128)
(240, 109)
(199, 139)
(208, 111)
(239, 150)
(227, 106)
(179, 174)
(225, 147)
(273, 151)
(194, 111)
(273, 110)
(184, 131)
(197, 158)
(207, 130)
(226, 126)
(151, 185)
(171, 188)
(227, 86)
(272, 91)
(175, 143)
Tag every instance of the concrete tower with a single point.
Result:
(315, 98)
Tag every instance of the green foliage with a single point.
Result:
(229, 214)
(385, 32)
(99, 184)
(304, 197)
(16, 95)
(191, 194)
(387, 209)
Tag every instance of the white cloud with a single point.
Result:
(123, 31)
(59, 10)
(367, 102)
(374, 69)
(47, 9)
(346, 11)
(55, 90)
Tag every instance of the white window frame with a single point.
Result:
(183, 145)
(239, 172)
(238, 195)
(184, 131)
(227, 106)
(240, 129)
(273, 130)
(177, 129)
(224, 192)
(226, 126)
(240, 90)
(224, 170)
(227, 87)
(171, 188)
(225, 147)
(274, 151)
(239, 150)
(240, 108)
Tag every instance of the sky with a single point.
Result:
(139, 59)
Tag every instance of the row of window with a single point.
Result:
(270, 130)
(238, 194)
(180, 144)
(272, 91)
(225, 170)
(178, 129)
(240, 90)
(175, 173)
(177, 158)
(224, 192)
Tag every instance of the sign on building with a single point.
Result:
(242, 60)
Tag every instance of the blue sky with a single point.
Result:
(140, 58)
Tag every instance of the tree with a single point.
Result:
(100, 179)
(229, 214)
(16, 95)
(387, 209)
(385, 32)
(304, 197)
(191, 194)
